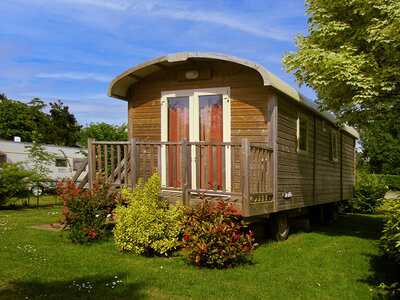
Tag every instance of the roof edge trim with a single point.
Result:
(119, 86)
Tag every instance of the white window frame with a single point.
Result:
(194, 130)
(304, 117)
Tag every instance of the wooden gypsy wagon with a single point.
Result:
(217, 126)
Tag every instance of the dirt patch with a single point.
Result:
(50, 227)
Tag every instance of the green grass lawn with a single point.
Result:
(341, 261)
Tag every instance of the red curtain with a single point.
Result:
(178, 128)
(211, 130)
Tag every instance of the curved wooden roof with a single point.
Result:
(119, 86)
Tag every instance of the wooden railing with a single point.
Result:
(78, 173)
(240, 170)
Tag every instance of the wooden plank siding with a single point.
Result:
(327, 172)
(249, 106)
(348, 166)
(314, 177)
(295, 170)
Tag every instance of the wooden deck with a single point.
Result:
(190, 171)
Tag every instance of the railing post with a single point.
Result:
(133, 162)
(245, 170)
(185, 172)
(92, 163)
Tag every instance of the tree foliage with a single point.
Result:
(40, 159)
(65, 128)
(103, 132)
(351, 58)
(14, 119)
(381, 147)
(59, 127)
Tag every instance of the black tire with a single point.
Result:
(279, 227)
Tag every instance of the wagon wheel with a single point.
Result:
(280, 227)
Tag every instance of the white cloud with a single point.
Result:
(75, 76)
(256, 23)
(225, 19)
(115, 5)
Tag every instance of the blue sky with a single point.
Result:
(71, 49)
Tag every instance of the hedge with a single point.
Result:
(392, 181)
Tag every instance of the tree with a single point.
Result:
(103, 132)
(41, 161)
(65, 128)
(14, 119)
(351, 58)
(59, 127)
(40, 121)
(381, 147)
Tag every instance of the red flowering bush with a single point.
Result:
(215, 237)
(86, 210)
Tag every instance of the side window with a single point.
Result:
(77, 163)
(3, 158)
(61, 162)
(302, 134)
(334, 153)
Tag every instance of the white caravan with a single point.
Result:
(67, 159)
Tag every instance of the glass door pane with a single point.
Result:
(211, 130)
(178, 128)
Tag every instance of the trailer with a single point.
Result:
(221, 127)
(67, 160)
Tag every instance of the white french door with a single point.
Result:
(199, 115)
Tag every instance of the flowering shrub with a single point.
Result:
(147, 225)
(86, 210)
(214, 235)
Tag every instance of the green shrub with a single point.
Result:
(86, 210)
(392, 181)
(369, 193)
(391, 231)
(14, 180)
(214, 236)
(147, 225)
(391, 291)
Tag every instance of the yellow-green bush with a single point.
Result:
(391, 232)
(147, 225)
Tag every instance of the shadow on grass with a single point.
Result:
(356, 225)
(384, 270)
(80, 288)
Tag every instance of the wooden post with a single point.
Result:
(184, 172)
(92, 163)
(245, 159)
(315, 162)
(133, 162)
(273, 143)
